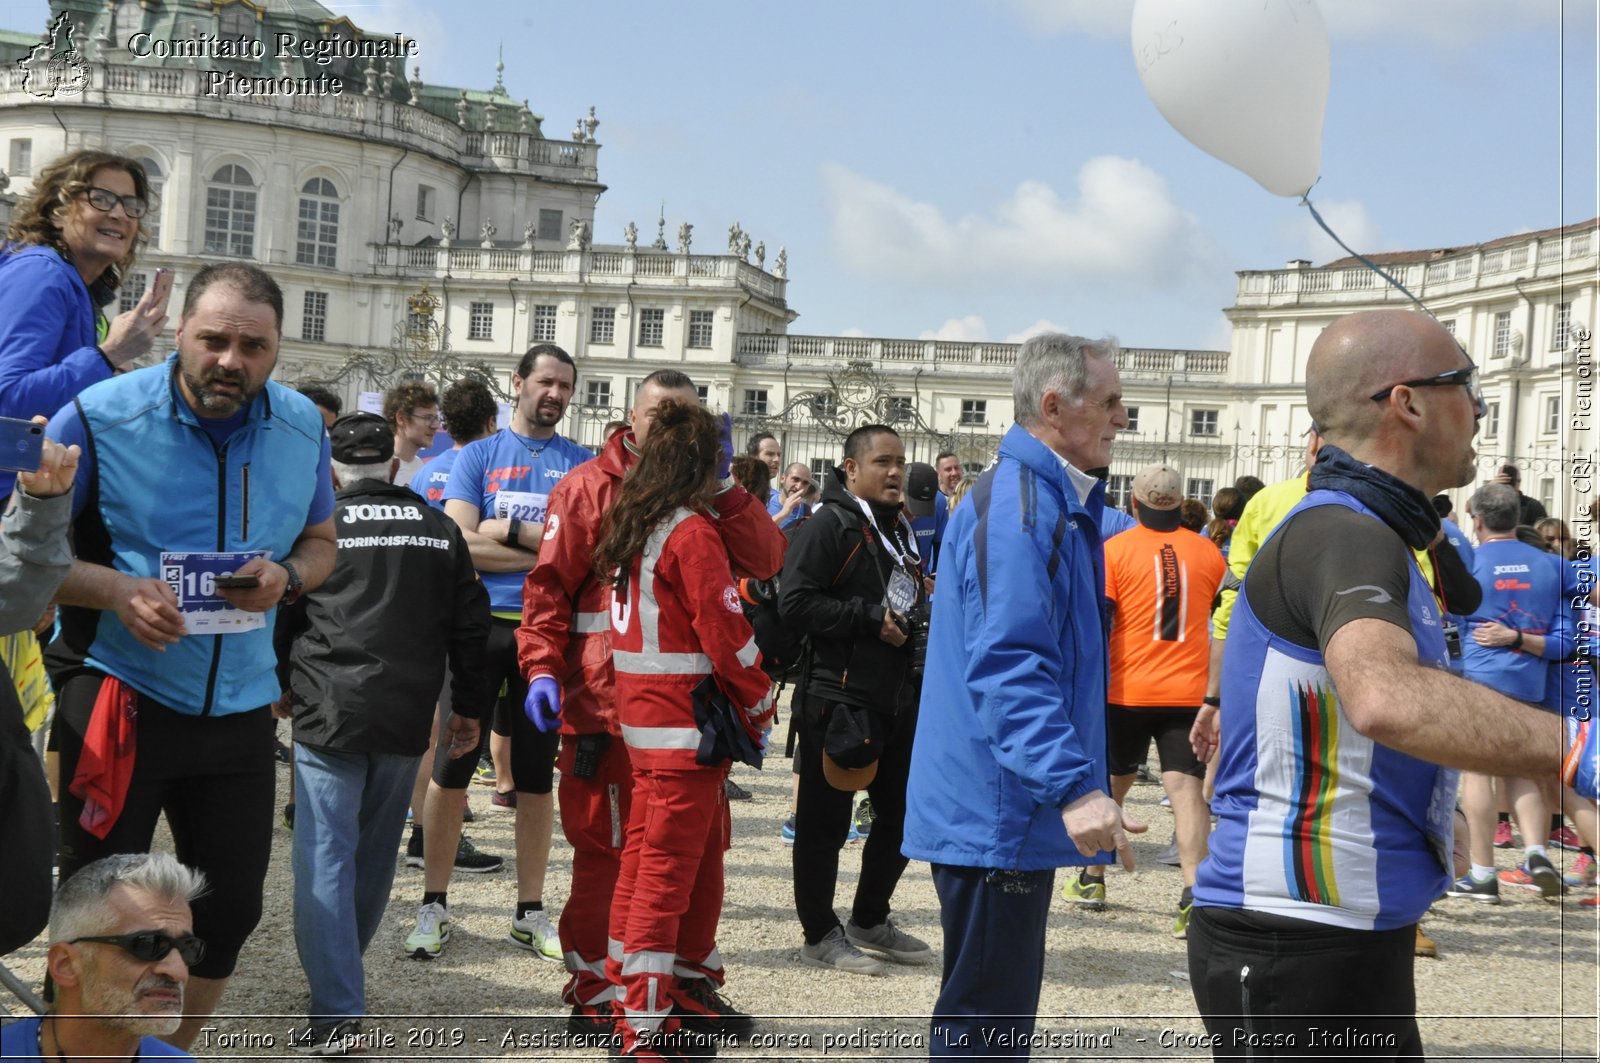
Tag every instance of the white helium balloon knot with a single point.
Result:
(1243, 80)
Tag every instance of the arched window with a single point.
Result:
(151, 222)
(317, 235)
(231, 213)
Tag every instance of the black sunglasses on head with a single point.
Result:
(152, 946)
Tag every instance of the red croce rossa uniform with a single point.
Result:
(676, 621)
(565, 634)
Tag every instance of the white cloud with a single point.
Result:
(1122, 225)
(853, 330)
(969, 329)
(1347, 217)
(1451, 23)
(1042, 325)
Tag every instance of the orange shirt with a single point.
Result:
(1163, 584)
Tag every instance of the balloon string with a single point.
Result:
(1363, 259)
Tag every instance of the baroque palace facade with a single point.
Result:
(425, 231)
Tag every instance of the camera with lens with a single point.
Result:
(915, 625)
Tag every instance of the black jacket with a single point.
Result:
(368, 667)
(835, 578)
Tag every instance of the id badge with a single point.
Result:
(193, 578)
(902, 592)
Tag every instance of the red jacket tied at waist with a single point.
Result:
(105, 767)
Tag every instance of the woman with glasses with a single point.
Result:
(70, 245)
(1553, 530)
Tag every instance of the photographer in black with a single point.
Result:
(852, 582)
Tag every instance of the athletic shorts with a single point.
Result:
(1128, 735)
(533, 752)
(455, 773)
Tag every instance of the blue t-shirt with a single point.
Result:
(20, 1041)
(929, 531)
(66, 428)
(800, 512)
(506, 475)
(431, 479)
(1522, 590)
(1570, 688)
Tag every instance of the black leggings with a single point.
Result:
(1270, 987)
(213, 777)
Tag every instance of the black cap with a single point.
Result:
(361, 439)
(922, 487)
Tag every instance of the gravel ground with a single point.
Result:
(1516, 981)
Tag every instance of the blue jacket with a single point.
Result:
(47, 337)
(158, 483)
(1012, 719)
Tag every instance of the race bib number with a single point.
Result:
(193, 578)
(902, 595)
(521, 505)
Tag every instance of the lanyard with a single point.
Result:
(909, 559)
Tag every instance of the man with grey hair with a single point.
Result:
(1522, 625)
(1009, 780)
(365, 672)
(121, 945)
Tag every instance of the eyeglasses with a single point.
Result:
(432, 420)
(104, 199)
(152, 946)
(1466, 377)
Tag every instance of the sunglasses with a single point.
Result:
(104, 199)
(1466, 377)
(152, 946)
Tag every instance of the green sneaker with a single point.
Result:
(1180, 926)
(433, 930)
(534, 933)
(1086, 892)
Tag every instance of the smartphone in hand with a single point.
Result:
(21, 445)
(239, 582)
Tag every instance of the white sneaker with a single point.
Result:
(535, 934)
(433, 930)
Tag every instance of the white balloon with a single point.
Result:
(1243, 80)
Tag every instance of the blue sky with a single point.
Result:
(973, 169)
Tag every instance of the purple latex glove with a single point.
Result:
(725, 435)
(543, 704)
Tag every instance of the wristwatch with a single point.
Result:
(291, 593)
(514, 533)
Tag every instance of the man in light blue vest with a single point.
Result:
(203, 501)
(1340, 721)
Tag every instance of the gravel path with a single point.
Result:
(1516, 981)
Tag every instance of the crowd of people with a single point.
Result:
(988, 658)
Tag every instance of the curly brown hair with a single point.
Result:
(405, 398)
(753, 475)
(675, 470)
(33, 222)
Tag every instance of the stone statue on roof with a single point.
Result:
(780, 268)
(734, 233)
(685, 235)
(527, 234)
(761, 255)
(630, 234)
(744, 246)
(578, 235)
